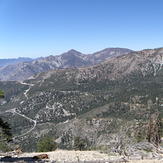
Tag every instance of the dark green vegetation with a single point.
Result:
(80, 143)
(1, 94)
(5, 132)
(117, 102)
(46, 144)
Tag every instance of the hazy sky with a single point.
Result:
(33, 28)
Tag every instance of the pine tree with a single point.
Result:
(5, 131)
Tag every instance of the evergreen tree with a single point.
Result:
(5, 131)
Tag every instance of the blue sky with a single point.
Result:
(34, 28)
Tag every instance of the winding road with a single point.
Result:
(13, 111)
(26, 91)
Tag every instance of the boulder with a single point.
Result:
(41, 156)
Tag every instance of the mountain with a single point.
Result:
(116, 104)
(72, 58)
(107, 53)
(5, 62)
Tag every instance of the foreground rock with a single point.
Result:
(41, 156)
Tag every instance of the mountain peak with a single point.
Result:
(73, 51)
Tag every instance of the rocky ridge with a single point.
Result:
(72, 58)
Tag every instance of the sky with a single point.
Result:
(35, 28)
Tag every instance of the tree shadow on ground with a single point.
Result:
(21, 159)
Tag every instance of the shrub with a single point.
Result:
(46, 144)
(1, 94)
(4, 147)
(80, 143)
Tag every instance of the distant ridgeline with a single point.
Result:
(23, 68)
(5, 62)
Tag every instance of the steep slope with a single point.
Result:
(72, 58)
(109, 103)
